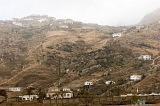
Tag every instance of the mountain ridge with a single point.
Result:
(151, 17)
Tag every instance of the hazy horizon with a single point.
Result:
(103, 12)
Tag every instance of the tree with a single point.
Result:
(41, 94)
(3, 93)
(135, 98)
(121, 81)
(29, 90)
(86, 97)
(117, 90)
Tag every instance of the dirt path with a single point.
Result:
(153, 63)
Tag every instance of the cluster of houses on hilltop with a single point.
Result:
(32, 20)
(40, 20)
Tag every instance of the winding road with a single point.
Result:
(153, 63)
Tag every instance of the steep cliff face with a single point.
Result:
(151, 17)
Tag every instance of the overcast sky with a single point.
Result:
(104, 12)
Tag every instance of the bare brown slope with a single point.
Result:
(68, 57)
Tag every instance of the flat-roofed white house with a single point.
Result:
(66, 89)
(42, 20)
(145, 57)
(87, 27)
(109, 82)
(17, 23)
(28, 19)
(67, 93)
(139, 27)
(53, 18)
(29, 97)
(63, 26)
(15, 89)
(117, 35)
(68, 21)
(135, 77)
(88, 83)
(53, 89)
(52, 92)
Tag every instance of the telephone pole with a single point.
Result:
(59, 66)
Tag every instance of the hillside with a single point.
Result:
(67, 53)
(151, 17)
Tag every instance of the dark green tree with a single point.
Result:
(3, 93)
(41, 94)
(29, 90)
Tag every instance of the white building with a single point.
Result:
(29, 97)
(66, 89)
(53, 18)
(17, 23)
(145, 57)
(88, 83)
(15, 89)
(124, 29)
(117, 35)
(42, 20)
(135, 77)
(52, 91)
(109, 82)
(139, 27)
(67, 70)
(63, 26)
(68, 21)
(67, 93)
(87, 28)
(28, 19)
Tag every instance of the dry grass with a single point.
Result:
(154, 52)
(93, 38)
